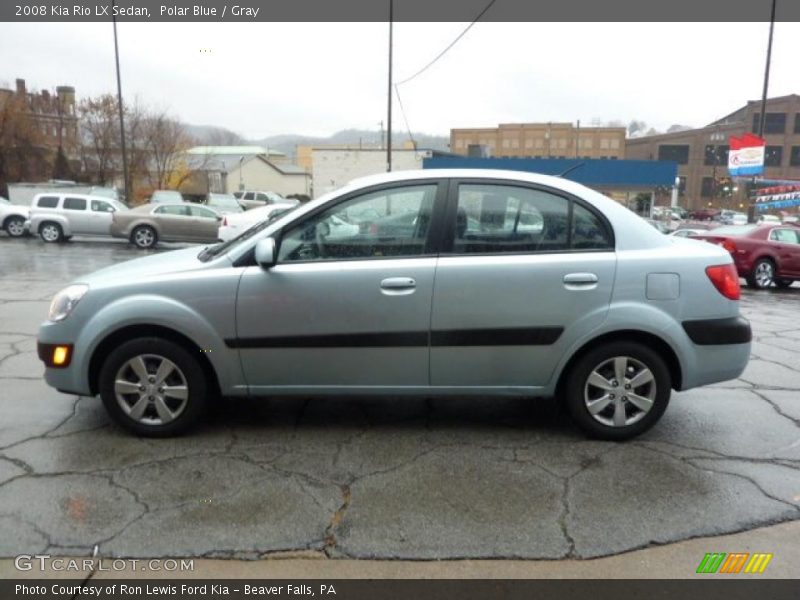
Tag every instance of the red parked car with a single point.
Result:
(763, 254)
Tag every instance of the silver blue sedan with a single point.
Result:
(449, 283)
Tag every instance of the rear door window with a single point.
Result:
(509, 219)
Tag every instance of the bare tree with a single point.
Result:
(166, 141)
(99, 138)
(22, 155)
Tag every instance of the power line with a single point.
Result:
(450, 45)
(405, 118)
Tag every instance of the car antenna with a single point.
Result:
(572, 168)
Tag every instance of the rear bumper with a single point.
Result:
(719, 350)
(714, 332)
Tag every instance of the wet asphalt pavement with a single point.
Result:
(387, 478)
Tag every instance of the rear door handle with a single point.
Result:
(398, 285)
(580, 278)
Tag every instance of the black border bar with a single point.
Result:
(188, 11)
(711, 588)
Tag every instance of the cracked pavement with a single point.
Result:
(383, 478)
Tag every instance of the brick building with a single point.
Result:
(53, 115)
(539, 140)
(702, 154)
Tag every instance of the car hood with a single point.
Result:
(151, 267)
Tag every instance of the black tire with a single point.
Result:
(153, 351)
(579, 393)
(51, 232)
(784, 283)
(15, 226)
(763, 274)
(144, 237)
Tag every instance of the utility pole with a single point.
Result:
(127, 182)
(389, 99)
(766, 72)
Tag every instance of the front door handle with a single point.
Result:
(580, 278)
(398, 285)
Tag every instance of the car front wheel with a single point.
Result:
(618, 390)
(51, 232)
(144, 237)
(15, 226)
(153, 387)
(763, 274)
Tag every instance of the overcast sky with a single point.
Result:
(262, 79)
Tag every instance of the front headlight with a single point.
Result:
(65, 301)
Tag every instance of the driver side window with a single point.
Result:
(387, 223)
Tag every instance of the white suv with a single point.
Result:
(57, 217)
(13, 217)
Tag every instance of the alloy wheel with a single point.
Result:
(15, 227)
(50, 233)
(620, 391)
(151, 389)
(144, 237)
(764, 274)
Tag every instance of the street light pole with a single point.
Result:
(126, 182)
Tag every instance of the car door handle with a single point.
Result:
(398, 285)
(580, 278)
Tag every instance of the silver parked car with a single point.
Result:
(148, 224)
(57, 217)
(585, 301)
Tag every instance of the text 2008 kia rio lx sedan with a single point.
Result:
(444, 282)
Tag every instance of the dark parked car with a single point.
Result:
(704, 214)
(763, 254)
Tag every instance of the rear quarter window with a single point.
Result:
(74, 203)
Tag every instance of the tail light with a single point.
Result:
(729, 246)
(726, 280)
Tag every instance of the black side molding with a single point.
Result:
(522, 336)
(712, 332)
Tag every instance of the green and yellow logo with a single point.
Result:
(735, 562)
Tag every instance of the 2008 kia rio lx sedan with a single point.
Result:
(444, 282)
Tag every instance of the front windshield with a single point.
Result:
(212, 251)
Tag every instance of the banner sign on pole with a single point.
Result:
(746, 155)
(777, 194)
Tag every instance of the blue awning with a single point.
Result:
(593, 172)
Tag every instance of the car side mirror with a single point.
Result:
(218, 218)
(265, 252)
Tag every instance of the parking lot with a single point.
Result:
(383, 478)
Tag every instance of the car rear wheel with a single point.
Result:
(763, 274)
(51, 232)
(153, 387)
(784, 283)
(144, 237)
(618, 390)
(15, 226)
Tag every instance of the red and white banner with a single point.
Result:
(746, 155)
